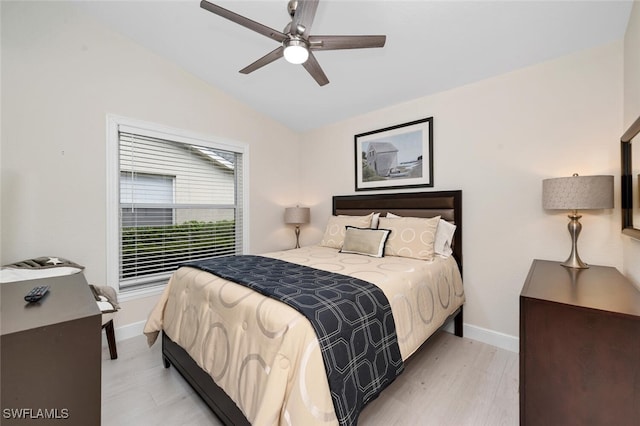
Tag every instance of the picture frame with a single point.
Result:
(399, 156)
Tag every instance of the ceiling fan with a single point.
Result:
(297, 45)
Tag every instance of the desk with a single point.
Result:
(50, 353)
(579, 347)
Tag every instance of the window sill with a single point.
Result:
(140, 293)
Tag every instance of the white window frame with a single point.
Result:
(114, 124)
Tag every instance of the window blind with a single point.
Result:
(178, 202)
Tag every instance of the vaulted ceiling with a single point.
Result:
(431, 46)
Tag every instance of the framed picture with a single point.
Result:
(399, 156)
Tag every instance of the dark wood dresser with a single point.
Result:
(579, 347)
(50, 354)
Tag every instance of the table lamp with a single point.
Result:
(577, 193)
(297, 216)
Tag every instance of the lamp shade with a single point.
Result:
(578, 193)
(297, 215)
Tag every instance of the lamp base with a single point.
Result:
(575, 227)
(575, 263)
(297, 231)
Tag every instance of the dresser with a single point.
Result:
(51, 353)
(579, 347)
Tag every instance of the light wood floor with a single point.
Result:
(452, 381)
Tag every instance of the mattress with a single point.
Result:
(264, 354)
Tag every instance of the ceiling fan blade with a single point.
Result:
(313, 67)
(346, 42)
(265, 60)
(305, 12)
(245, 22)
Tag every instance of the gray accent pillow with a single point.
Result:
(369, 242)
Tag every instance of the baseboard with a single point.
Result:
(494, 338)
(130, 330)
(127, 331)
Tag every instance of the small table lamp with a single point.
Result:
(297, 216)
(577, 193)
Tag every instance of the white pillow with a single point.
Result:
(444, 236)
(374, 220)
(370, 242)
(8, 275)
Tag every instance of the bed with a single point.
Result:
(264, 358)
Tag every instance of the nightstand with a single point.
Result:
(51, 353)
(579, 347)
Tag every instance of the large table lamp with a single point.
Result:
(297, 216)
(577, 193)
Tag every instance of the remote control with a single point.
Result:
(36, 293)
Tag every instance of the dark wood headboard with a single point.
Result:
(447, 204)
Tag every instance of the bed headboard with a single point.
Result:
(447, 204)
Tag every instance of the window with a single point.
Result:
(174, 198)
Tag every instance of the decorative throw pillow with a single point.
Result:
(105, 297)
(369, 242)
(336, 228)
(44, 262)
(410, 236)
(444, 236)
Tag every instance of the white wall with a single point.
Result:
(62, 73)
(497, 140)
(631, 113)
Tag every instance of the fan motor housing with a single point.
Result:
(292, 6)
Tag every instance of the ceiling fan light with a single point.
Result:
(296, 52)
